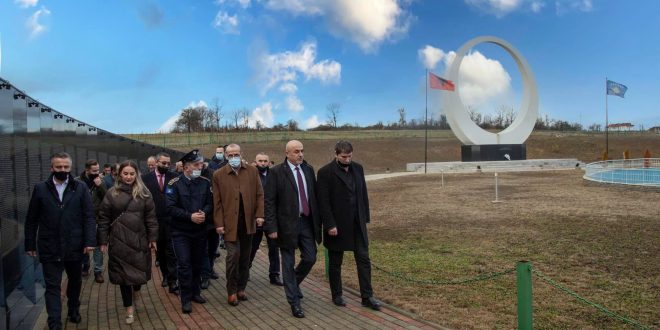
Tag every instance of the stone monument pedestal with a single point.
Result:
(493, 152)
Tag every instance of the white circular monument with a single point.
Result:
(459, 120)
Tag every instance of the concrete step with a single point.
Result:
(497, 166)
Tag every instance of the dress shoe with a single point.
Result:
(371, 302)
(242, 296)
(233, 300)
(215, 275)
(275, 280)
(98, 278)
(174, 288)
(85, 273)
(163, 284)
(300, 295)
(204, 284)
(199, 299)
(339, 301)
(297, 311)
(186, 307)
(75, 317)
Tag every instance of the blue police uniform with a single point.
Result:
(185, 196)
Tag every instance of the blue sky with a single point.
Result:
(129, 66)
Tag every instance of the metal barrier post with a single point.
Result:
(524, 285)
(327, 263)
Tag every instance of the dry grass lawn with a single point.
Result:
(601, 241)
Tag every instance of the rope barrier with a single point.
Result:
(588, 302)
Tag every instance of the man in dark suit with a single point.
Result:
(263, 165)
(344, 205)
(292, 218)
(62, 213)
(156, 182)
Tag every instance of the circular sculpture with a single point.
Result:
(459, 119)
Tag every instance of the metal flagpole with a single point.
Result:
(426, 120)
(607, 140)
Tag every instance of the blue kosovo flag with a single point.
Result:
(617, 89)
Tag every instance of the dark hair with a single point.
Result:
(90, 163)
(60, 155)
(162, 154)
(343, 147)
(107, 165)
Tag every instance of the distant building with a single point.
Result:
(621, 127)
(655, 129)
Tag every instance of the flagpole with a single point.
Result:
(426, 120)
(607, 141)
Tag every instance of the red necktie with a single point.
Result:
(161, 182)
(301, 192)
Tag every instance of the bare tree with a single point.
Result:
(245, 118)
(292, 125)
(402, 117)
(236, 117)
(216, 109)
(474, 115)
(332, 112)
(191, 120)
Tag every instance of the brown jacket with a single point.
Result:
(127, 235)
(226, 189)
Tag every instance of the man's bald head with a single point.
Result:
(294, 152)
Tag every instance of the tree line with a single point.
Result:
(202, 118)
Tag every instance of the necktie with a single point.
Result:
(301, 192)
(161, 182)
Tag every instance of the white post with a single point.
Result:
(442, 175)
(497, 199)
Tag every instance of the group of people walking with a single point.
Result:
(180, 216)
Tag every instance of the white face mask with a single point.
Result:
(196, 174)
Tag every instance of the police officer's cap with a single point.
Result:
(192, 157)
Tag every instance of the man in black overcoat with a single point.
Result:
(344, 205)
(156, 181)
(292, 218)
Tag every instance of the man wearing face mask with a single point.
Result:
(213, 239)
(344, 206)
(263, 165)
(190, 205)
(218, 160)
(91, 178)
(238, 204)
(61, 211)
(156, 182)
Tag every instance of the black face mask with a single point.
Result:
(342, 165)
(162, 169)
(93, 176)
(61, 176)
(262, 169)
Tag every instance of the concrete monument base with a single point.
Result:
(493, 152)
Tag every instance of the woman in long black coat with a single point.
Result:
(128, 231)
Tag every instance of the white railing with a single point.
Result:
(639, 171)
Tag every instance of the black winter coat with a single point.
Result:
(334, 198)
(281, 204)
(129, 256)
(60, 230)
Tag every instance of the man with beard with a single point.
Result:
(91, 178)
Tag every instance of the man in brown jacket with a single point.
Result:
(238, 201)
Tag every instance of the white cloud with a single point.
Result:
(311, 122)
(498, 8)
(226, 23)
(536, 6)
(262, 114)
(288, 88)
(480, 78)
(26, 3)
(168, 125)
(33, 25)
(430, 56)
(565, 6)
(243, 3)
(198, 104)
(366, 22)
(285, 67)
(294, 104)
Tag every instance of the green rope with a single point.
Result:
(482, 277)
(588, 302)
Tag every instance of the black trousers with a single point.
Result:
(293, 276)
(362, 261)
(213, 240)
(165, 254)
(53, 278)
(189, 249)
(238, 259)
(127, 294)
(273, 252)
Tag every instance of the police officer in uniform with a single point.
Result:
(190, 205)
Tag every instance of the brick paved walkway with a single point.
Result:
(101, 307)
